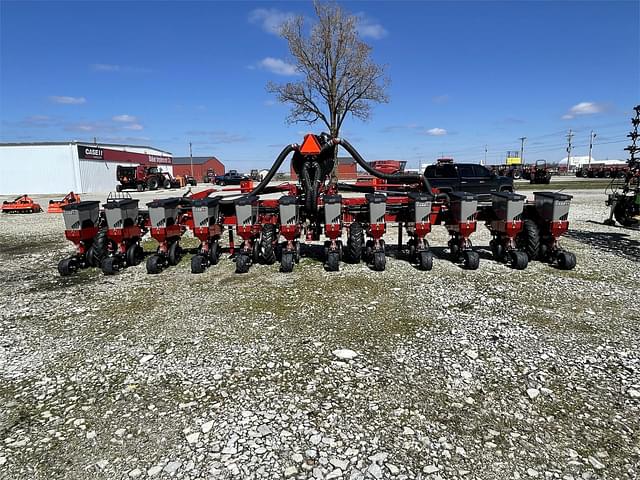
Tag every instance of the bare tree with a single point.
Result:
(338, 75)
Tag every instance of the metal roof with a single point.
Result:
(196, 160)
(99, 144)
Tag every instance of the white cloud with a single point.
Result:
(104, 67)
(440, 99)
(134, 126)
(436, 132)
(277, 66)
(270, 19)
(124, 118)
(369, 28)
(583, 108)
(68, 100)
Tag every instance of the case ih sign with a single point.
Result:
(93, 152)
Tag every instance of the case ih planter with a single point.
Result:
(165, 228)
(81, 224)
(507, 208)
(125, 233)
(208, 230)
(318, 210)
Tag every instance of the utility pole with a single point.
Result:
(191, 158)
(592, 137)
(522, 139)
(569, 138)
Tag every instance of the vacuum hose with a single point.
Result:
(395, 178)
(274, 169)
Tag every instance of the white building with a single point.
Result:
(61, 167)
(578, 161)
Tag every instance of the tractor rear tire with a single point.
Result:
(166, 184)
(355, 241)
(425, 259)
(471, 260)
(242, 263)
(198, 264)
(333, 261)
(89, 257)
(519, 260)
(287, 262)
(566, 260)
(267, 251)
(154, 264)
(134, 255)
(110, 266)
(67, 266)
(175, 253)
(379, 261)
(214, 252)
(152, 183)
(528, 240)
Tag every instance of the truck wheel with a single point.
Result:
(528, 240)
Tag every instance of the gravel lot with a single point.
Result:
(402, 374)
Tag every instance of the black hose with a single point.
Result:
(395, 178)
(274, 169)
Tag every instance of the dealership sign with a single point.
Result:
(86, 152)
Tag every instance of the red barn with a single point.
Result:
(347, 169)
(182, 166)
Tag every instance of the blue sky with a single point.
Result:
(464, 75)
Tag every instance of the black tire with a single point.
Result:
(355, 241)
(255, 251)
(425, 260)
(134, 255)
(214, 252)
(497, 249)
(528, 240)
(118, 188)
(333, 261)
(198, 264)
(89, 257)
(296, 254)
(379, 261)
(67, 266)
(566, 260)
(100, 247)
(287, 262)
(454, 250)
(519, 260)
(154, 264)
(471, 260)
(110, 266)
(140, 187)
(242, 263)
(166, 184)
(624, 212)
(175, 253)
(152, 183)
(267, 240)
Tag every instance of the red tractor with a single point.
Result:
(144, 177)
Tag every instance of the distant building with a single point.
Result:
(61, 167)
(580, 160)
(347, 169)
(182, 166)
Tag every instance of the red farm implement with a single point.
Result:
(22, 204)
